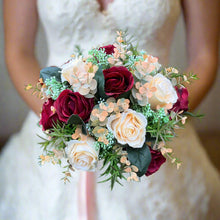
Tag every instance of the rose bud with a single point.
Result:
(109, 49)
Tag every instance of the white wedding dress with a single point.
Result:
(29, 191)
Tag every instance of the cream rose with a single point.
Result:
(82, 154)
(128, 128)
(164, 95)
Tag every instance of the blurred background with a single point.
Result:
(13, 110)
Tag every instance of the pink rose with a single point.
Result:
(109, 49)
(182, 101)
(48, 116)
(69, 103)
(157, 159)
(118, 80)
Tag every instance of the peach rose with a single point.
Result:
(128, 128)
(82, 154)
(165, 95)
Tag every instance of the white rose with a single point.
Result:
(165, 94)
(82, 154)
(128, 128)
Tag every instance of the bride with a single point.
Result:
(28, 191)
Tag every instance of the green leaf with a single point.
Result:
(125, 95)
(76, 120)
(140, 157)
(198, 115)
(49, 72)
(99, 77)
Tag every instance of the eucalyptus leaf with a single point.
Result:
(48, 72)
(76, 120)
(133, 101)
(99, 77)
(140, 157)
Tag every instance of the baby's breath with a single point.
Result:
(54, 88)
(98, 57)
(104, 148)
(132, 59)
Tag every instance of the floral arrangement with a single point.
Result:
(117, 105)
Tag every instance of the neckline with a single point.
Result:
(104, 11)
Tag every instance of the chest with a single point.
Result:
(95, 21)
(103, 4)
(126, 12)
(90, 22)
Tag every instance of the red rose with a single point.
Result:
(157, 159)
(182, 101)
(69, 103)
(109, 49)
(118, 80)
(48, 117)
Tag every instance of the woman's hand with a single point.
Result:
(202, 19)
(20, 27)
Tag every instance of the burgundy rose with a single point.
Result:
(109, 49)
(157, 159)
(69, 103)
(182, 101)
(118, 80)
(48, 116)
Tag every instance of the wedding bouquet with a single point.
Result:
(117, 105)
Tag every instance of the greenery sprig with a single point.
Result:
(57, 136)
(115, 169)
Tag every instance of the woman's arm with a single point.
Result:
(202, 19)
(20, 26)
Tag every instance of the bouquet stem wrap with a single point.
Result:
(87, 209)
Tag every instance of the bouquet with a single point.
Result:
(117, 106)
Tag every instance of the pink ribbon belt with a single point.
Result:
(87, 209)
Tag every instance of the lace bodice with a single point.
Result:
(80, 22)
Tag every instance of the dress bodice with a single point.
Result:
(80, 22)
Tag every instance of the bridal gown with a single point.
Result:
(29, 191)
